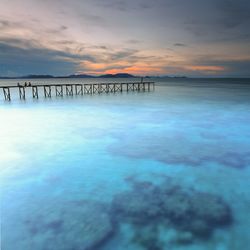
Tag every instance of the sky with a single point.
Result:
(198, 38)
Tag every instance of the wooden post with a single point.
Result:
(47, 90)
(136, 86)
(69, 89)
(102, 88)
(6, 91)
(88, 88)
(111, 87)
(22, 92)
(139, 86)
(80, 91)
(118, 87)
(76, 92)
(35, 92)
(59, 90)
(129, 86)
(95, 88)
(107, 88)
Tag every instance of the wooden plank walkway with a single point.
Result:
(49, 90)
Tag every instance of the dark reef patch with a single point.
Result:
(195, 215)
(147, 237)
(176, 148)
(139, 207)
(83, 225)
(148, 208)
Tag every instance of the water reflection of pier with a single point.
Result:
(49, 90)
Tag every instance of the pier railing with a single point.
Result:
(68, 89)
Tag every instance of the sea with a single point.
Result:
(166, 169)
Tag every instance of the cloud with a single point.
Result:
(56, 31)
(160, 36)
(238, 68)
(103, 47)
(8, 25)
(32, 47)
(123, 54)
(180, 45)
(63, 27)
(234, 13)
(219, 21)
(23, 57)
(123, 5)
(206, 69)
(233, 67)
(92, 20)
(133, 41)
(223, 67)
(4, 24)
(20, 65)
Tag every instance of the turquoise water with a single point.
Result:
(128, 170)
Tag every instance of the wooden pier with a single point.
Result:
(49, 90)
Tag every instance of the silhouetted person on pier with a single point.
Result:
(29, 84)
(18, 84)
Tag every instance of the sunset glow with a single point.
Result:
(138, 37)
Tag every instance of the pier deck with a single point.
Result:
(71, 89)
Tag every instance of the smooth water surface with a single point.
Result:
(128, 170)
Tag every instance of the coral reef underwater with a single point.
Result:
(147, 207)
(175, 148)
(68, 225)
(194, 214)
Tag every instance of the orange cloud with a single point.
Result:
(206, 68)
(136, 70)
(150, 66)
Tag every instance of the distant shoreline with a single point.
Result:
(120, 75)
(115, 76)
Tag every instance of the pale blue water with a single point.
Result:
(64, 162)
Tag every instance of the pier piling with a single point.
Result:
(69, 89)
(77, 89)
(21, 92)
(6, 92)
(59, 90)
(47, 90)
(88, 88)
(35, 92)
